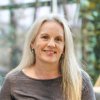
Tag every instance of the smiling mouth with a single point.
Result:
(50, 51)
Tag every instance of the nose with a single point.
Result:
(51, 43)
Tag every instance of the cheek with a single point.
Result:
(37, 50)
(61, 48)
(39, 46)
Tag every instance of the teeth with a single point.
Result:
(49, 51)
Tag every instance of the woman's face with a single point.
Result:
(49, 42)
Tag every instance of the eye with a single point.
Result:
(45, 37)
(58, 39)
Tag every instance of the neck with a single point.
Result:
(46, 71)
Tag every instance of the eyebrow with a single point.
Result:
(44, 33)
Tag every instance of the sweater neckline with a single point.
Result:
(35, 79)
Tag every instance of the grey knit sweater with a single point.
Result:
(18, 86)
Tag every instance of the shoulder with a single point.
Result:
(85, 76)
(9, 80)
(87, 87)
(86, 80)
(12, 76)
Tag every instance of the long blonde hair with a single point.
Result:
(71, 72)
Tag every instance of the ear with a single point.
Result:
(32, 45)
(63, 51)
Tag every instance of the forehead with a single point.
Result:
(51, 23)
(52, 27)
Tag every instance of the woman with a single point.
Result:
(48, 69)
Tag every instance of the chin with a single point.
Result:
(50, 60)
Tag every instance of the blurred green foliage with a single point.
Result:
(90, 13)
